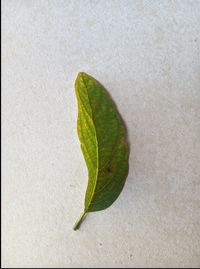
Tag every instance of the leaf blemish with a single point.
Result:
(108, 169)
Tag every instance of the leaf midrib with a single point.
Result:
(97, 169)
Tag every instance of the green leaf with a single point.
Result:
(102, 136)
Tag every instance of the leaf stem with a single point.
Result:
(79, 221)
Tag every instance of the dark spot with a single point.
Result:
(100, 244)
(131, 255)
(108, 169)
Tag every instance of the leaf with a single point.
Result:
(102, 136)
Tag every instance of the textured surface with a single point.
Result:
(103, 142)
(147, 53)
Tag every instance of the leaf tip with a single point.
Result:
(82, 75)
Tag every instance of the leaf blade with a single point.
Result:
(102, 136)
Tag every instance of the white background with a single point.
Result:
(147, 54)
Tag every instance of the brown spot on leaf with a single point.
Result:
(108, 169)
